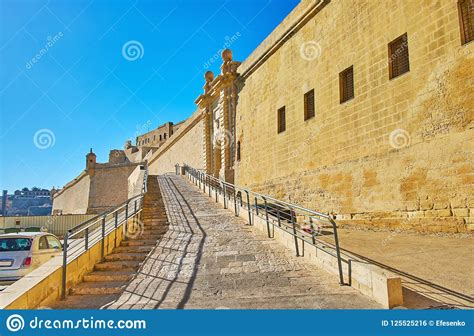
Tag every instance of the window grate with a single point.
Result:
(309, 105)
(466, 20)
(346, 84)
(398, 58)
(281, 119)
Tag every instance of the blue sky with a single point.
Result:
(66, 86)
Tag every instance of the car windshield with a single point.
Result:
(14, 244)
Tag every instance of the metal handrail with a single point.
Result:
(96, 229)
(277, 214)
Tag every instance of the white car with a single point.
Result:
(22, 252)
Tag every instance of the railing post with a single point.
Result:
(248, 207)
(225, 202)
(115, 225)
(126, 222)
(313, 238)
(103, 237)
(86, 239)
(266, 217)
(64, 282)
(293, 222)
(338, 252)
(209, 185)
(256, 206)
(235, 203)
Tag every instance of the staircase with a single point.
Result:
(109, 277)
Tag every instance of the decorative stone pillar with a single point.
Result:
(218, 104)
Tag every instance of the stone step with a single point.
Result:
(117, 265)
(99, 288)
(99, 276)
(154, 237)
(156, 222)
(131, 249)
(85, 301)
(126, 256)
(155, 229)
(137, 242)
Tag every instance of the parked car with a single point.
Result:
(22, 252)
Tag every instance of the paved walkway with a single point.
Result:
(439, 267)
(211, 259)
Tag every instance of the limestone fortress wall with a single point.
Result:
(399, 154)
(362, 109)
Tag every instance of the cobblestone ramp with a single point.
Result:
(209, 258)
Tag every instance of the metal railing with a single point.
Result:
(84, 236)
(303, 224)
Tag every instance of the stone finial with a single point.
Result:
(209, 76)
(128, 144)
(227, 55)
(229, 66)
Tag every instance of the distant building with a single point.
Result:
(158, 136)
(26, 202)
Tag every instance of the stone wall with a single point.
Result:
(99, 187)
(135, 181)
(185, 146)
(74, 197)
(109, 186)
(399, 154)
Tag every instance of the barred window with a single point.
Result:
(398, 59)
(309, 105)
(281, 119)
(466, 20)
(238, 150)
(346, 84)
